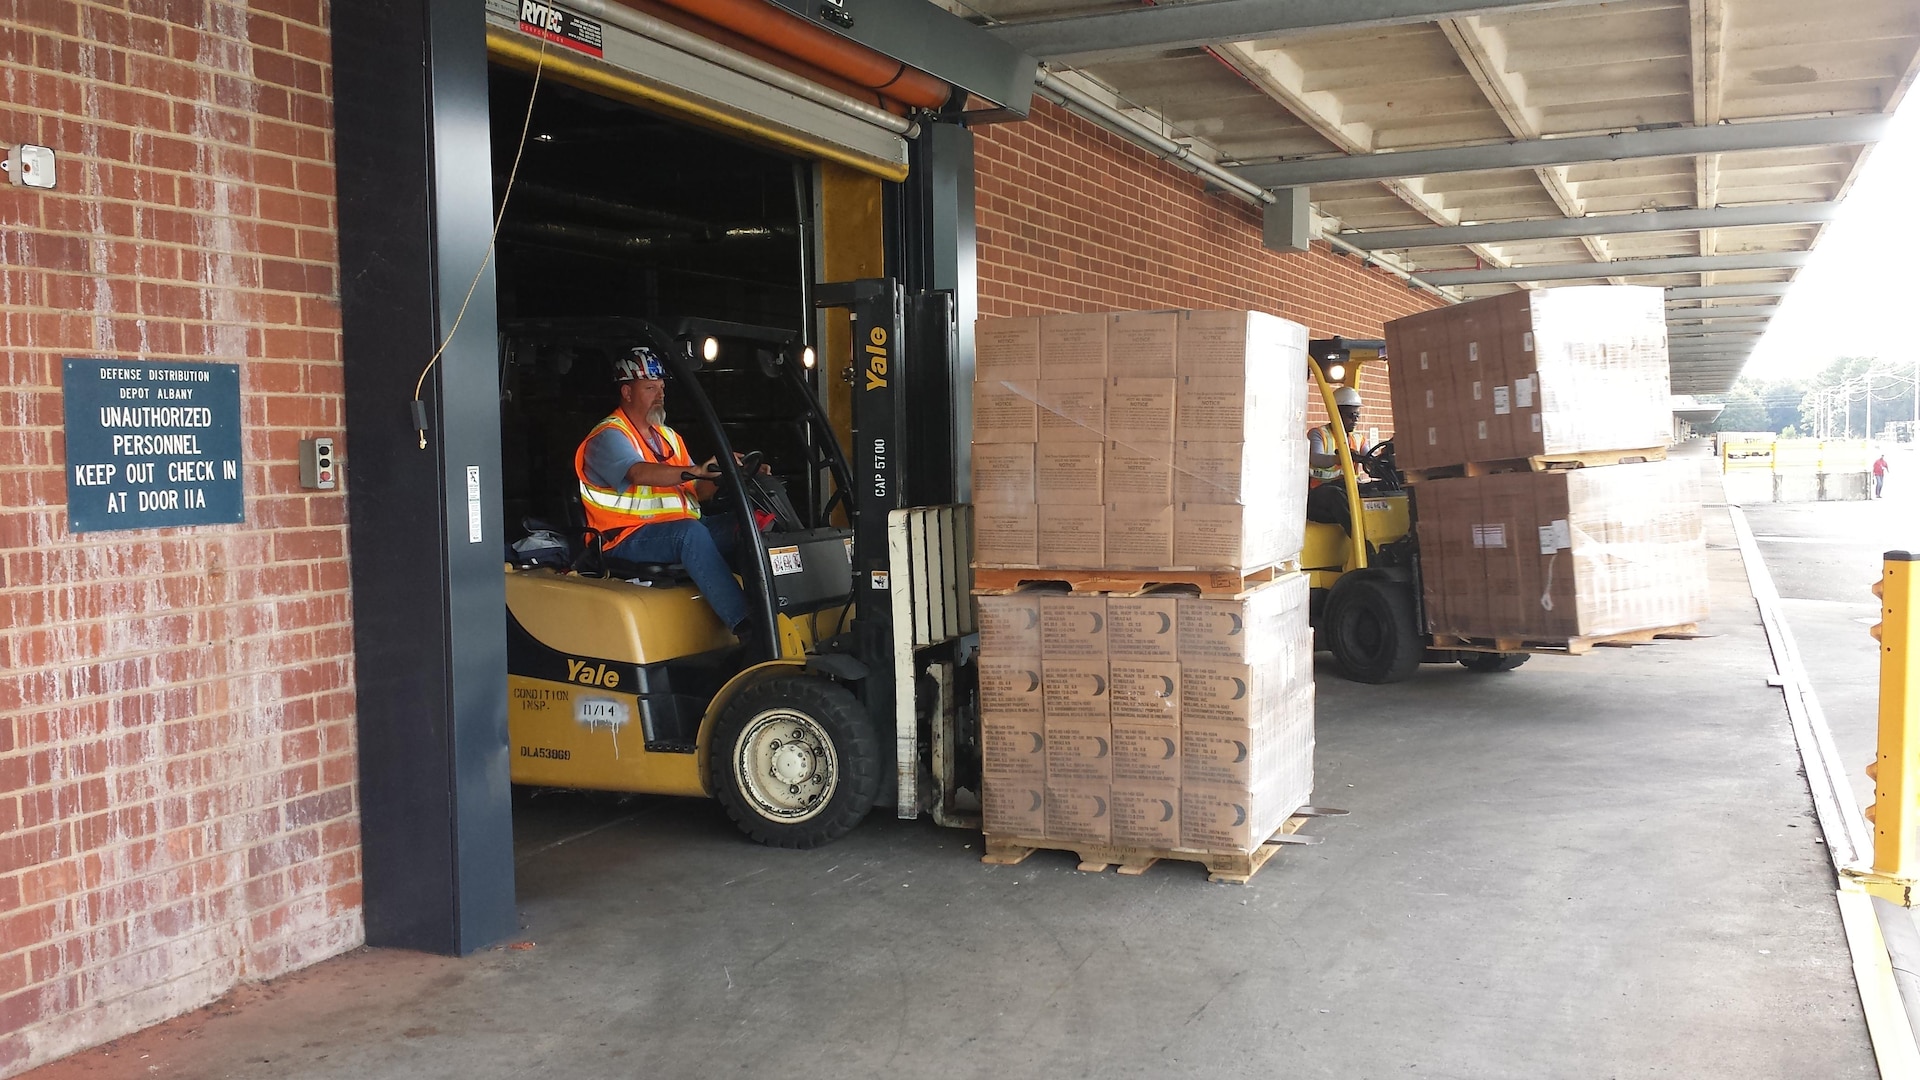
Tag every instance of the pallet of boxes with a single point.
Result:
(1146, 665)
(1534, 428)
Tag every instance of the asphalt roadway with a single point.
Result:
(1595, 866)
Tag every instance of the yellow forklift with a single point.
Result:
(620, 677)
(1366, 584)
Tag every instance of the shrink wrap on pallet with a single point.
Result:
(1550, 557)
(1187, 426)
(1159, 721)
(1541, 372)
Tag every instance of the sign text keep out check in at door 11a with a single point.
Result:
(151, 445)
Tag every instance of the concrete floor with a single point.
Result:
(1602, 866)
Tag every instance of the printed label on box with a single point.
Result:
(1536, 423)
(1473, 352)
(1557, 536)
(1523, 393)
(1526, 341)
(1502, 400)
(1490, 536)
(1423, 367)
(1476, 389)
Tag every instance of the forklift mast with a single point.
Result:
(910, 604)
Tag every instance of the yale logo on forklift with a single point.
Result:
(598, 675)
(876, 359)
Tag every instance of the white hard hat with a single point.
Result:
(1346, 395)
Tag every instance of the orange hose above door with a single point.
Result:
(775, 28)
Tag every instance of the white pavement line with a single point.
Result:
(581, 835)
(1845, 828)
(1894, 1048)
(1887, 1024)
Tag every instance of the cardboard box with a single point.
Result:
(1219, 819)
(1013, 806)
(1072, 410)
(1079, 751)
(1144, 691)
(1014, 749)
(1079, 813)
(1073, 627)
(1010, 690)
(1145, 817)
(1228, 537)
(1142, 627)
(1211, 410)
(1138, 474)
(1075, 690)
(1473, 337)
(1234, 343)
(1219, 755)
(1140, 535)
(1073, 346)
(1006, 349)
(1227, 693)
(1070, 474)
(1069, 536)
(1142, 344)
(1006, 534)
(1268, 623)
(1005, 412)
(1140, 412)
(1009, 625)
(1426, 433)
(1003, 472)
(1146, 755)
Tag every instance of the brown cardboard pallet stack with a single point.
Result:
(1133, 728)
(1534, 425)
(1146, 665)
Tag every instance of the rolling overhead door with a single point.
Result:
(652, 58)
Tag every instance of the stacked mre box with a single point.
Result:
(1507, 385)
(1553, 556)
(1155, 721)
(1532, 373)
(1139, 441)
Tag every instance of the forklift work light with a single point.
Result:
(710, 349)
(806, 358)
(1336, 372)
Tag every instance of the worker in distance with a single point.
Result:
(642, 494)
(1326, 494)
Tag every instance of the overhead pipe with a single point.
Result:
(630, 18)
(795, 36)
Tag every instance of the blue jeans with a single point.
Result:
(702, 546)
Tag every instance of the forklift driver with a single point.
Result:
(1326, 494)
(631, 468)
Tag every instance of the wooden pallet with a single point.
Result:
(1233, 867)
(1538, 463)
(1569, 646)
(993, 580)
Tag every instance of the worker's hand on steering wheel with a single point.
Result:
(752, 463)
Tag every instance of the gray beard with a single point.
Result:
(657, 416)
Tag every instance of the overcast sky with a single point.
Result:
(1860, 295)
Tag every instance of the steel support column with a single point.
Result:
(416, 208)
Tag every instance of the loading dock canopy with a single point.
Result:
(1700, 145)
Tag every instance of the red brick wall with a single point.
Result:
(176, 706)
(1074, 218)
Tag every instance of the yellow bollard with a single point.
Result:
(1896, 769)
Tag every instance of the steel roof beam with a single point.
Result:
(1653, 221)
(1085, 39)
(1570, 150)
(1684, 264)
(1718, 292)
(1701, 314)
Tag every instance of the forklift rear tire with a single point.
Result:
(1371, 631)
(1487, 663)
(795, 761)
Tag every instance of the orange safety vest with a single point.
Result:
(617, 510)
(1316, 477)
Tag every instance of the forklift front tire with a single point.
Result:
(795, 761)
(1371, 631)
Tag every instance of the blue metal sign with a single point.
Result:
(151, 445)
